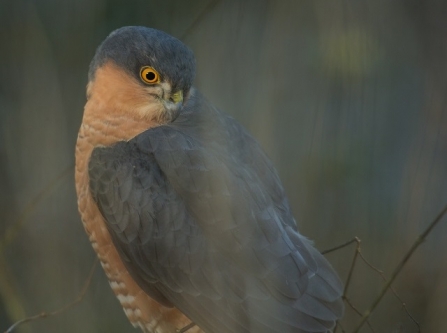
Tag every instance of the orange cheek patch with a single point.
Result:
(119, 90)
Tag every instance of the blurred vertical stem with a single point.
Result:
(8, 291)
(9, 294)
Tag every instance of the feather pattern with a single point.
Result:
(201, 221)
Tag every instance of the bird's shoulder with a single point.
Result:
(200, 217)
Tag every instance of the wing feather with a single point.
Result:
(201, 220)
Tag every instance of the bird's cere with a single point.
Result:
(177, 97)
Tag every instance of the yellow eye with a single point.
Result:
(149, 75)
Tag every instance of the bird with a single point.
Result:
(187, 214)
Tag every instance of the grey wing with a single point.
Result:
(201, 221)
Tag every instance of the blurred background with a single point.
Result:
(347, 97)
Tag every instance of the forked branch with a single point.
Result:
(63, 309)
(417, 242)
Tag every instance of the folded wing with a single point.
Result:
(200, 218)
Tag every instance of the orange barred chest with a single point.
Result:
(141, 310)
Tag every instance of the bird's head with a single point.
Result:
(143, 72)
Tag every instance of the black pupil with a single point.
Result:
(150, 76)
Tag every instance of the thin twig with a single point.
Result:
(418, 241)
(404, 306)
(353, 307)
(64, 308)
(342, 329)
(186, 328)
(351, 270)
(354, 240)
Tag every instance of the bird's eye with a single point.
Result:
(149, 75)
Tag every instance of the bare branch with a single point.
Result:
(404, 306)
(63, 309)
(351, 270)
(353, 307)
(354, 240)
(418, 241)
(342, 329)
